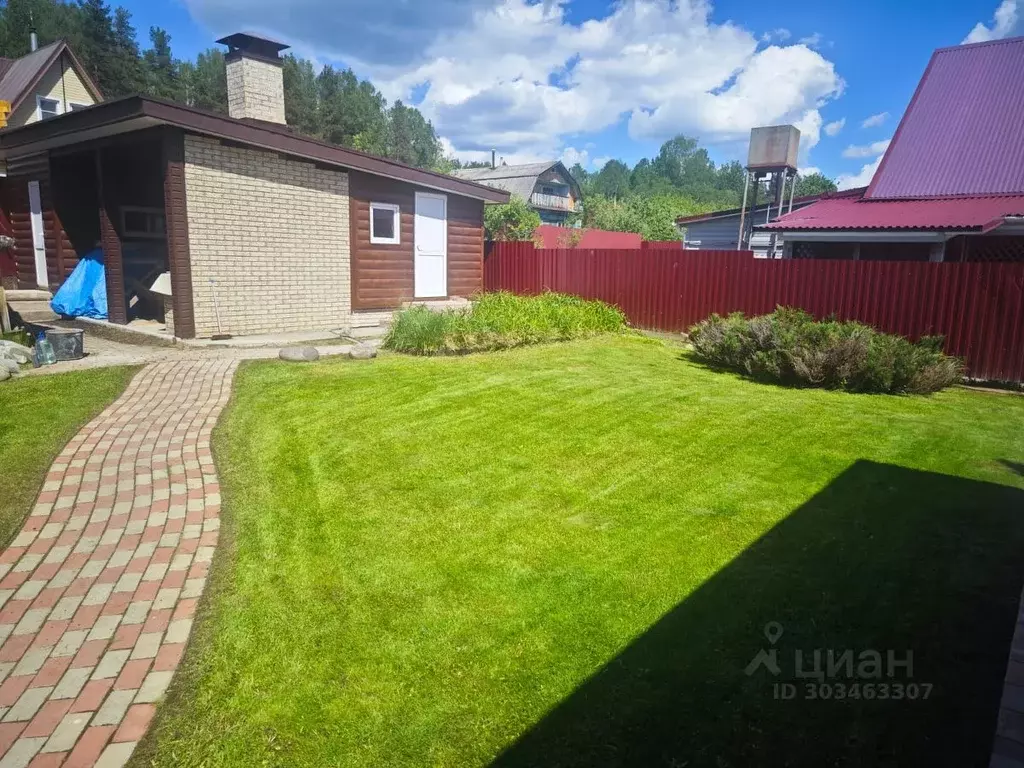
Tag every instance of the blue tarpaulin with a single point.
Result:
(84, 293)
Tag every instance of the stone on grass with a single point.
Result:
(299, 354)
(15, 352)
(362, 352)
(9, 365)
(4, 374)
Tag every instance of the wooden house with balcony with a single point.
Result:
(548, 187)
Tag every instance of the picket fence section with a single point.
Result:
(977, 307)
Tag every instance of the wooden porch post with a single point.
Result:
(117, 311)
(176, 217)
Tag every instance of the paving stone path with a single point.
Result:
(99, 588)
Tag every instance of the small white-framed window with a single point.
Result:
(74, 106)
(385, 223)
(47, 107)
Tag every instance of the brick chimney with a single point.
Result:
(255, 80)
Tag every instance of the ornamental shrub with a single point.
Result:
(500, 320)
(790, 347)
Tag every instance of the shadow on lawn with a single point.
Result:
(884, 559)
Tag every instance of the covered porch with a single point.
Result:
(123, 194)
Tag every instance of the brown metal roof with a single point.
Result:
(18, 77)
(138, 112)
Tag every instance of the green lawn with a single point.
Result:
(566, 555)
(38, 415)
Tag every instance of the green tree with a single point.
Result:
(161, 70)
(612, 180)
(52, 20)
(515, 220)
(205, 82)
(125, 73)
(301, 102)
(97, 44)
(814, 184)
(411, 138)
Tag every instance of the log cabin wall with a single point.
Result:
(382, 275)
(61, 258)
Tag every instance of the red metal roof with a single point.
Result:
(962, 133)
(762, 206)
(561, 237)
(979, 214)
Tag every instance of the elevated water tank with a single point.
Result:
(773, 147)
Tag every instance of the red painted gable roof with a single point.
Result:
(973, 214)
(963, 133)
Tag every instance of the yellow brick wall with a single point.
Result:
(272, 233)
(68, 90)
(255, 89)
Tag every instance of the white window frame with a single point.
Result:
(39, 106)
(397, 211)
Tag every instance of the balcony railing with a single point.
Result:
(553, 202)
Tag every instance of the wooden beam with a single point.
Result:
(117, 311)
(176, 217)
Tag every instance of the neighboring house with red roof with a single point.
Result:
(951, 184)
(720, 230)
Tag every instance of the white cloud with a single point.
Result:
(811, 41)
(875, 120)
(860, 179)
(521, 76)
(873, 149)
(833, 128)
(1004, 21)
(571, 156)
(600, 162)
(781, 34)
(809, 170)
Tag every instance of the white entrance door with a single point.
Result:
(38, 238)
(431, 246)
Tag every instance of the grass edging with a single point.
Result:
(38, 416)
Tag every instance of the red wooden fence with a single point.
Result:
(978, 307)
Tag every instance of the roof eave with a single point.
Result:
(146, 112)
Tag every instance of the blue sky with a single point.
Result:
(590, 80)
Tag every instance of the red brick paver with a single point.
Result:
(98, 590)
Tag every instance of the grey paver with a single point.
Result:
(72, 683)
(153, 687)
(67, 732)
(27, 705)
(116, 755)
(147, 645)
(113, 709)
(21, 753)
(178, 631)
(70, 642)
(110, 665)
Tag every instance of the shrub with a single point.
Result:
(790, 347)
(514, 220)
(501, 320)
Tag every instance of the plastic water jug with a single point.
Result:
(44, 351)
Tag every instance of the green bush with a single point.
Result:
(790, 347)
(500, 320)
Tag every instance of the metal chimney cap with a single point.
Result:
(252, 43)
